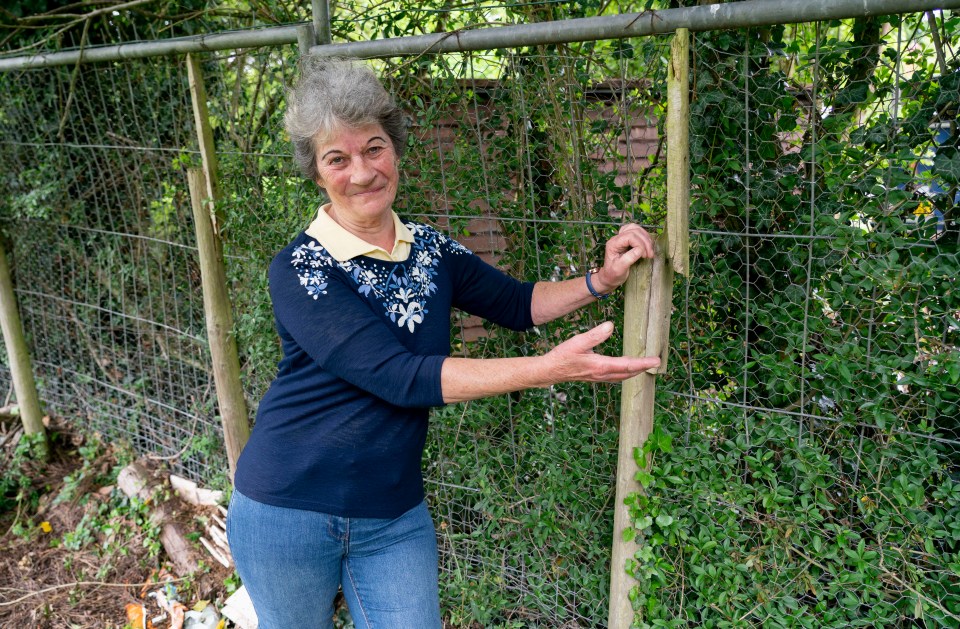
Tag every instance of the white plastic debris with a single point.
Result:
(239, 610)
(206, 619)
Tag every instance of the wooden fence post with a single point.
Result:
(201, 119)
(648, 301)
(678, 152)
(633, 434)
(213, 277)
(17, 354)
(219, 320)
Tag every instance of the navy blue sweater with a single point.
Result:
(341, 429)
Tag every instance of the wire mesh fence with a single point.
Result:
(104, 257)
(813, 470)
(806, 455)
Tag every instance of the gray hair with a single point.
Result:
(332, 93)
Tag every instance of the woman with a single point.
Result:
(328, 491)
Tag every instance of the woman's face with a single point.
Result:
(358, 169)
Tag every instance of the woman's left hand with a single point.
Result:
(622, 251)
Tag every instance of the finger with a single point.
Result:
(616, 369)
(632, 229)
(641, 238)
(644, 249)
(636, 238)
(644, 363)
(585, 342)
(619, 266)
(629, 231)
(631, 257)
(599, 334)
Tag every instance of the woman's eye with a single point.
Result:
(334, 161)
(375, 150)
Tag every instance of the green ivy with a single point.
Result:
(817, 472)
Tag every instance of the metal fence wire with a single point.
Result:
(806, 459)
(105, 262)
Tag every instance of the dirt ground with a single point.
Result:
(74, 552)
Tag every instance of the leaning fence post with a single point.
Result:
(648, 301)
(213, 277)
(23, 384)
(633, 433)
(201, 119)
(219, 320)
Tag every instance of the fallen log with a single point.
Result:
(136, 480)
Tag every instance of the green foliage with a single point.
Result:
(829, 507)
(109, 527)
(757, 528)
(16, 484)
(550, 539)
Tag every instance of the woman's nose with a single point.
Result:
(362, 173)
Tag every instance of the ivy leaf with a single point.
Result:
(947, 168)
(644, 477)
(663, 520)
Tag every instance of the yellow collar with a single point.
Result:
(343, 245)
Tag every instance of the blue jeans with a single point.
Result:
(292, 562)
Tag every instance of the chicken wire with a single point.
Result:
(104, 255)
(531, 158)
(815, 454)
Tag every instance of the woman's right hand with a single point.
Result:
(464, 379)
(575, 360)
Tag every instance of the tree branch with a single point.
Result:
(935, 34)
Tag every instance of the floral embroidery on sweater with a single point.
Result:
(403, 288)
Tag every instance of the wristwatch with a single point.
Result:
(593, 291)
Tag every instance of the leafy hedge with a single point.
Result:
(816, 481)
